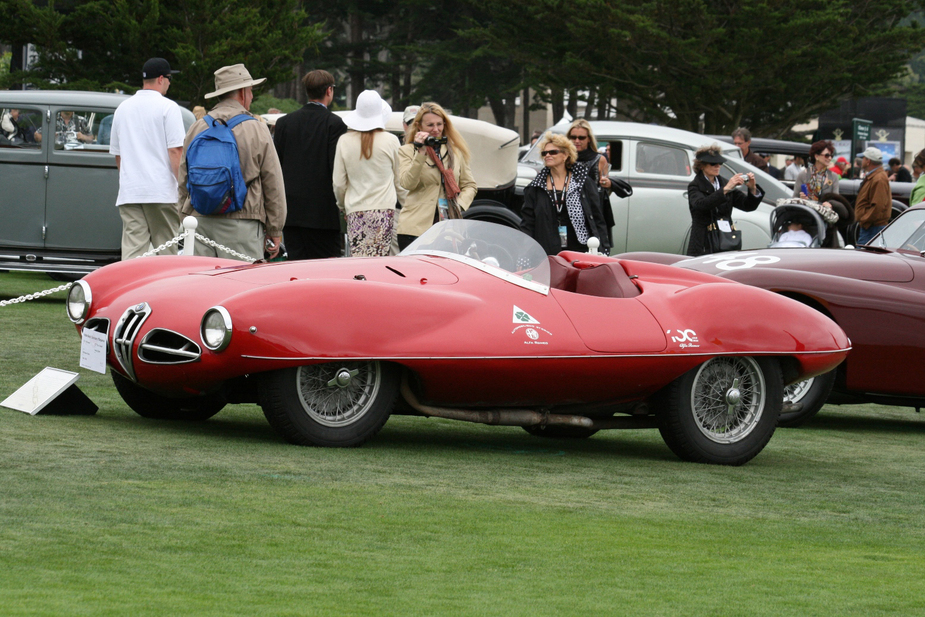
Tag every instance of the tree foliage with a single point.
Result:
(102, 44)
(696, 64)
(711, 65)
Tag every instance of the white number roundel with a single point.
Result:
(739, 263)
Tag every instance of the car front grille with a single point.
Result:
(123, 337)
(161, 346)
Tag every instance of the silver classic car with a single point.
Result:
(59, 183)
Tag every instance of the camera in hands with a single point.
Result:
(434, 141)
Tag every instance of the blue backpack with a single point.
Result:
(213, 168)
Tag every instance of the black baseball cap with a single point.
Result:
(155, 67)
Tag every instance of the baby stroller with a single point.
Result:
(811, 215)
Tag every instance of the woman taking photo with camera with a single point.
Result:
(561, 206)
(433, 195)
(711, 197)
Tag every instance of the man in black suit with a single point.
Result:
(306, 141)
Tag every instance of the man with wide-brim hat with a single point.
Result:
(306, 141)
(874, 203)
(257, 228)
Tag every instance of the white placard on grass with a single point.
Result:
(32, 397)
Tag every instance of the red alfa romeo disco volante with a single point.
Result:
(471, 322)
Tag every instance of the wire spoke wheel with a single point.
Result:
(338, 394)
(722, 412)
(804, 399)
(728, 398)
(795, 392)
(336, 404)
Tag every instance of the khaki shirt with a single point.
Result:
(266, 194)
(420, 177)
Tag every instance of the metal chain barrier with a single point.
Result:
(168, 244)
(154, 251)
(36, 295)
(218, 246)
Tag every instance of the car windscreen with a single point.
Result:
(497, 250)
(906, 232)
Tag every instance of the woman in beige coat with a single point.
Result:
(419, 175)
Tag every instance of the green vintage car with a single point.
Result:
(58, 199)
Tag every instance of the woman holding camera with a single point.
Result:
(711, 197)
(562, 205)
(431, 144)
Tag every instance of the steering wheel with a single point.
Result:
(499, 253)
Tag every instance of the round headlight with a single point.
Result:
(216, 328)
(78, 301)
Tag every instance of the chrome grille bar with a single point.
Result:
(123, 336)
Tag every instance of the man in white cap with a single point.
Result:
(875, 201)
(256, 228)
(306, 141)
(147, 141)
(407, 118)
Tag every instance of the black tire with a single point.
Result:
(336, 404)
(492, 212)
(559, 431)
(147, 404)
(701, 420)
(811, 394)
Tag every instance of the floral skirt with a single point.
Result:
(370, 232)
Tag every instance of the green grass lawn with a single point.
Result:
(114, 514)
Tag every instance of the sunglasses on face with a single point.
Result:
(550, 152)
(827, 155)
(578, 137)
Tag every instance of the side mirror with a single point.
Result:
(621, 188)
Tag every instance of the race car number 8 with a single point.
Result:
(739, 263)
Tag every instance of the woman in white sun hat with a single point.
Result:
(366, 177)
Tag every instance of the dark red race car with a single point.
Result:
(472, 322)
(876, 293)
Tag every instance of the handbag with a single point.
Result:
(450, 187)
(719, 241)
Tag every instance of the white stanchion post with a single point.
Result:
(593, 244)
(189, 241)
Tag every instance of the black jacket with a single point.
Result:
(306, 141)
(540, 221)
(706, 203)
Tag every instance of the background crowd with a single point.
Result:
(316, 176)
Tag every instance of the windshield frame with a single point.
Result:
(539, 275)
(914, 217)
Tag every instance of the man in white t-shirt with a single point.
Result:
(147, 140)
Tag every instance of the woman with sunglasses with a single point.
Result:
(710, 196)
(817, 178)
(582, 137)
(561, 206)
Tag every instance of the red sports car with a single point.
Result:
(875, 292)
(471, 322)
